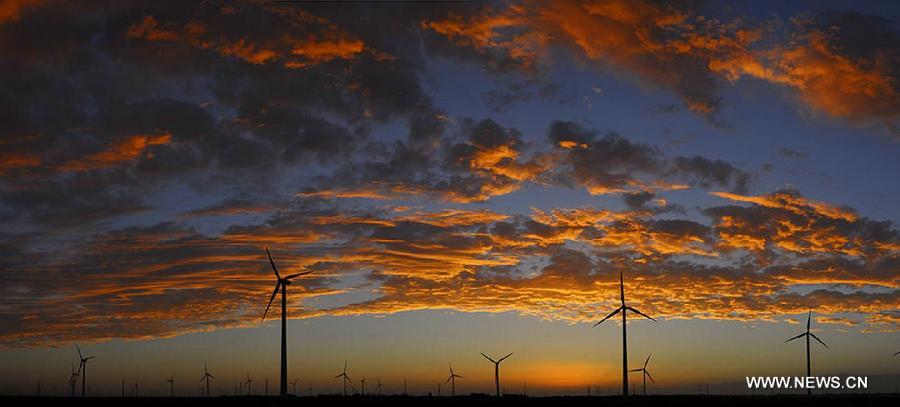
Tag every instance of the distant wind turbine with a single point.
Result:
(83, 368)
(646, 374)
(452, 380)
(362, 383)
(344, 378)
(171, 382)
(808, 334)
(281, 282)
(294, 385)
(249, 384)
(623, 309)
(496, 370)
(73, 379)
(206, 376)
(378, 386)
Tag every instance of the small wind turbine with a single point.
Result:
(378, 386)
(496, 370)
(83, 368)
(362, 383)
(344, 378)
(452, 380)
(294, 385)
(623, 309)
(73, 379)
(281, 282)
(808, 334)
(206, 376)
(249, 384)
(646, 373)
(171, 382)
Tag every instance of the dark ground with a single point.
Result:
(400, 401)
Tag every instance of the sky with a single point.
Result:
(458, 178)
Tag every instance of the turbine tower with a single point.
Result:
(646, 374)
(82, 368)
(496, 370)
(623, 309)
(206, 376)
(281, 282)
(808, 334)
(452, 380)
(171, 382)
(344, 378)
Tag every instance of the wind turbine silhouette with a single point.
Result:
(344, 377)
(206, 376)
(496, 370)
(452, 380)
(171, 382)
(646, 373)
(808, 334)
(378, 386)
(249, 384)
(73, 379)
(623, 309)
(281, 282)
(82, 368)
(294, 385)
(363, 384)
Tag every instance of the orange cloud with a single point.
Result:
(292, 50)
(123, 151)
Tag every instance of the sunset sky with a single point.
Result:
(460, 178)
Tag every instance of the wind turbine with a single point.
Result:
(294, 385)
(452, 380)
(281, 282)
(345, 378)
(73, 379)
(82, 368)
(808, 334)
(378, 386)
(171, 382)
(362, 382)
(623, 309)
(496, 370)
(206, 376)
(249, 384)
(646, 373)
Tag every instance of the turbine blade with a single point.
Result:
(796, 337)
(297, 275)
(898, 353)
(622, 287)
(651, 377)
(211, 376)
(636, 370)
(461, 377)
(501, 359)
(647, 361)
(275, 269)
(817, 338)
(274, 293)
(339, 376)
(451, 368)
(488, 358)
(612, 314)
(641, 313)
(79, 351)
(808, 318)
(448, 379)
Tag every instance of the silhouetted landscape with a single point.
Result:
(468, 401)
